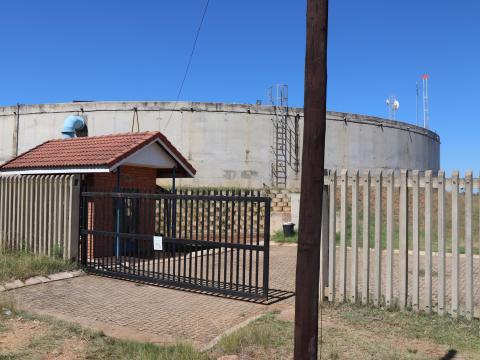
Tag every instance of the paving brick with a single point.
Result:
(149, 312)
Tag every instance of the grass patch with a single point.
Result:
(264, 338)
(22, 265)
(109, 348)
(458, 334)
(356, 332)
(88, 344)
(280, 238)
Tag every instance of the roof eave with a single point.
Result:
(55, 171)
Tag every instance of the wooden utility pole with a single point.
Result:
(310, 227)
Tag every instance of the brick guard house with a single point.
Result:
(128, 162)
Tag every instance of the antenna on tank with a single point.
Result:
(426, 114)
(392, 106)
(416, 103)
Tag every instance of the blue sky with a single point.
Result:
(53, 51)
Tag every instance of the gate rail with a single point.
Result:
(214, 243)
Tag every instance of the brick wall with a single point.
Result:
(281, 204)
(230, 213)
(131, 177)
(102, 210)
(281, 201)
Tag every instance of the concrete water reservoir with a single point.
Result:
(231, 145)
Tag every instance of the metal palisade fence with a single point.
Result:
(191, 239)
(404, 239)
(40, 214)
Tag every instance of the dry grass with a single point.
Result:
(265, 338)
(22, 265)
(351, 332)
(408, 333)
(46, 338)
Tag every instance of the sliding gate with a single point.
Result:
(214, 243)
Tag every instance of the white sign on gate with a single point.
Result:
(158, 243)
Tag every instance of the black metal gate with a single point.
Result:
(215, 243)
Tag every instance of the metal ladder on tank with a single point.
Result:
(285, 136)
(279, 166)
(285, 148)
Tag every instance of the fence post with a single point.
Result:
(403, 234)
(389, 270)
(354, 255)
(14, 238)
(266, 244)
(36, 214)
(50, 237)
(378, 239)
(74, 217)
(366, 239)
(3, 214)
(45, 215)
(9, 209)
(343, 234)
(468, 246)
(21, 217)
(441, 242)
(54, 230)
(2, 209)
(324, 260)
(332, 246)
(416, 242)
(428, 241)
(28, 213)
(84, 228)
(455, 255)
(60, 219)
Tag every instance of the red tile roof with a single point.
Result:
(92, 152)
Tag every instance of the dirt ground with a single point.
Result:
(372, 334)
(18, 333)
(345, 334)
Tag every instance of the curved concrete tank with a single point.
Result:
(229, 144)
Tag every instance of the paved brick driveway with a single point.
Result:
(150, 313)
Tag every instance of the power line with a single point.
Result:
(189, 60)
